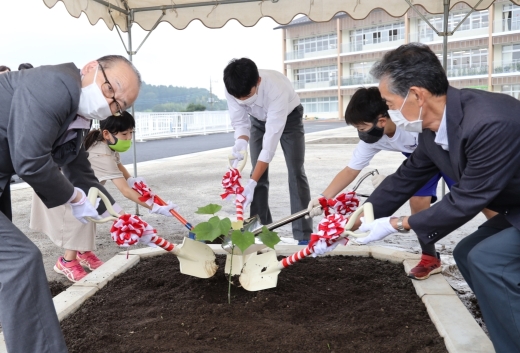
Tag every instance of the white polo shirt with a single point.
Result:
(402, 141)
(276, 99)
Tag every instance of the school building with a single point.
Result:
(328, 61)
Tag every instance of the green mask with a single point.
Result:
(120, 145)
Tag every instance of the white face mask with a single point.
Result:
(92, 102)
(249, 101)
(400, 121)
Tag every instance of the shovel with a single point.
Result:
(195, 258)
(261, 271)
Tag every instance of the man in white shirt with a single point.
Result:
(265, 110)
(367, 112)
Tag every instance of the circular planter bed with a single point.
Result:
(329, 304)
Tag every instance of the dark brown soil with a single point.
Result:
(334, 304)
(58, 287)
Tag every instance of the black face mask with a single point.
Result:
(373, 135)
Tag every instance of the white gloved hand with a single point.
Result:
(378, 229)
(131, 181)
(239, 149)
(164, 210)
(314, 207)
(377, 179)
(249, 192)
(146, 238)
(83, 208)
(321, 247)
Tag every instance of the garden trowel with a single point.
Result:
(195, 258)
(261, 271)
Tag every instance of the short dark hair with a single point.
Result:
(108, 61)
(4, 68)
(240, 76)
(25, 66)
(114, 125)
(365, 106)
(412, 64)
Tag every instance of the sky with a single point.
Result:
(192, 57)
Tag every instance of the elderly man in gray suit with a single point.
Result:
(44, 113)
(473, 136)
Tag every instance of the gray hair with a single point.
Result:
(108, 60)
(412, 64)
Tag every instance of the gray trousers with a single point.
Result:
(293, 146)
(489, 260)
(27, 314)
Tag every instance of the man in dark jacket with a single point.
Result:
(473, 137)
(44, 114)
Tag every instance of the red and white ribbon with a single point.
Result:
(330, 229)
(343, 204)
(128, 229)
(232, 186)
(147, 196)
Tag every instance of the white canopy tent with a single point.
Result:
(122, 14)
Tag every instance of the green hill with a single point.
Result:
(172, 98)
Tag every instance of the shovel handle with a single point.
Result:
(162, 243)
(240, 210)
(174, 213)
(289, 260)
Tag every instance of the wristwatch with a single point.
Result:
(400, 227)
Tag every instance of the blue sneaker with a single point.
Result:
(303, 242)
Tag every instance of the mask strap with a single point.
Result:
(405, 98)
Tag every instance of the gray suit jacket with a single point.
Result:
(483, 158)
(36, 108)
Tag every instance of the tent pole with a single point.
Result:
(445, 60)
(129, 20)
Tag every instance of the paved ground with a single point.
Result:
(193, 180)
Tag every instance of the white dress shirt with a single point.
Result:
(441, 137)
(276, 99)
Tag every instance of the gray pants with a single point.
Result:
(489, 260)
(293, 146)
(27, 314)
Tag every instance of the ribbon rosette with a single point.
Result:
(129, 229)
(147, 196)
(231, 184)
(330, 228)
(343, 204)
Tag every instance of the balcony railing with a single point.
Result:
(504, 67)
(467, 70)
(358, 80)
(296, 55)
(312, 85)
(373, 44)
(507, 26)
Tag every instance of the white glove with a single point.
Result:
(378, 229)
(321, 247)
(131, 181)
(239, 147)
(164, 210)
(249, 192)
(146, 238)
(83, 208)
(377, 179)
(314, 207)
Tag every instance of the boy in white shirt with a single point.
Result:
(367, 112)
(264, 110)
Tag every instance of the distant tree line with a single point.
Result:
(177, 99)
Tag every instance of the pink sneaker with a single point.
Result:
(71, 269)
(89, 260)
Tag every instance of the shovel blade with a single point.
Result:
(235, 263)
(260, 272)
(196, 259)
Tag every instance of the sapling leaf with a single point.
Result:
(207, 230)
(269, 238)
(225, 226)
(242, 239)
(237, 225)
(209, 209)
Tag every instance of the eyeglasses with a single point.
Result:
(108, 92)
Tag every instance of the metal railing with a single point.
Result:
(311, 85)
(358, 80)
(504, 67)
(177, 124)
(466, 70)
(295, 55)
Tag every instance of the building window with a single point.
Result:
(317, 74)
(313, 44)
(478, 19)
(377, 34)
(512, 90)
(319, 105)
(511, 17)
(467, 62)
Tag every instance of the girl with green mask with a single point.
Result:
(78, 239)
